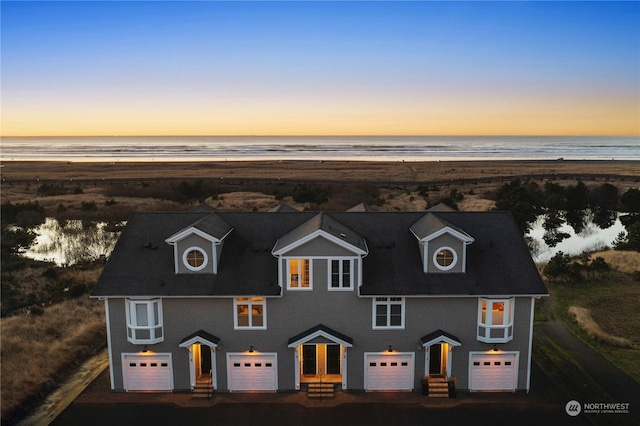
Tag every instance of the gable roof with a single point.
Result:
(211, 227)
(322, 224)
(431, 225)
(498, 262)
(201, 337)
(440, 336)
(320, 330)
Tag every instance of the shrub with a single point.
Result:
(89, 206)
(310, 193)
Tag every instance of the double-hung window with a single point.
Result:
(144, 321)
(388, 312)
(299, 274)
(250, 312)
(495, 320)
(340, 274)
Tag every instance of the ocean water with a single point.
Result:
(374, 148)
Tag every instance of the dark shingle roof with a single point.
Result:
(438, 334)
(204, 335)
(324, 329)
(326, 223)
(498, 261)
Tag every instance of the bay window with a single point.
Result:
(495, 320)
(144, 321)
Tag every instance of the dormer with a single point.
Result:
(443, 246)
(197, 248)
(321, 238)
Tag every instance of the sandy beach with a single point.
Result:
(332, 171)
(250, 185)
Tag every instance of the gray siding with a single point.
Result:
(298, 311)
(445, 240)
(195, 241)
(319, 245)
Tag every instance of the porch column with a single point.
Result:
(344, 368)
(192, 368)
(449, 360)
(214, 370)
(296, 364)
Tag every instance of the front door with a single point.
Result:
(205, 360)
(435, 359)
(333, 359)
(309, 360)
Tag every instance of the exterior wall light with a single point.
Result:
(145, 350)
(495, 348)
(389, 350)
(250, 349)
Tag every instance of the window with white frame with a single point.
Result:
(251, 312)
(195, 259)
(445, 258)
(495, 320)
(340, 274)
(299, 274)
(388, 312)
(144, 321)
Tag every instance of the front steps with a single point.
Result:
(321, 390)
(438, 387)
(202, 391)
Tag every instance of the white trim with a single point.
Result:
(250, 304)
(468, 239)
(202, 252)
(197, 339)
(314, 235)
(435, 258)
(319, 333)
(516, 367)
(442, 339)
(529, 354)
(123, 355)
(340, 273)
(193, 230)
(229, 366)
(391, 354)
(109, 347)
(388, 303)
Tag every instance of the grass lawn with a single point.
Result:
(614, 303)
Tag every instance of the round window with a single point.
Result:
(445, 258)
(195, 259)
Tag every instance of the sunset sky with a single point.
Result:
(320, 68)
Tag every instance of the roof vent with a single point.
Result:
(148, 245)
(343, 235)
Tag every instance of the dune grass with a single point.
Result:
(613, 302)
(39, 350)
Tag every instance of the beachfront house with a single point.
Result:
(283, 301)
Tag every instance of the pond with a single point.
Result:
(73, 241)
(591, 238)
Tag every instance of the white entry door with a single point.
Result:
(493, 372)
(246, 372)
(392, 372)
(147, 372)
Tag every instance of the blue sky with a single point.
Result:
(82, 68)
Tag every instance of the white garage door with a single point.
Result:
(389, 372)
(252, 372)
(493, 372)
(147, 372)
